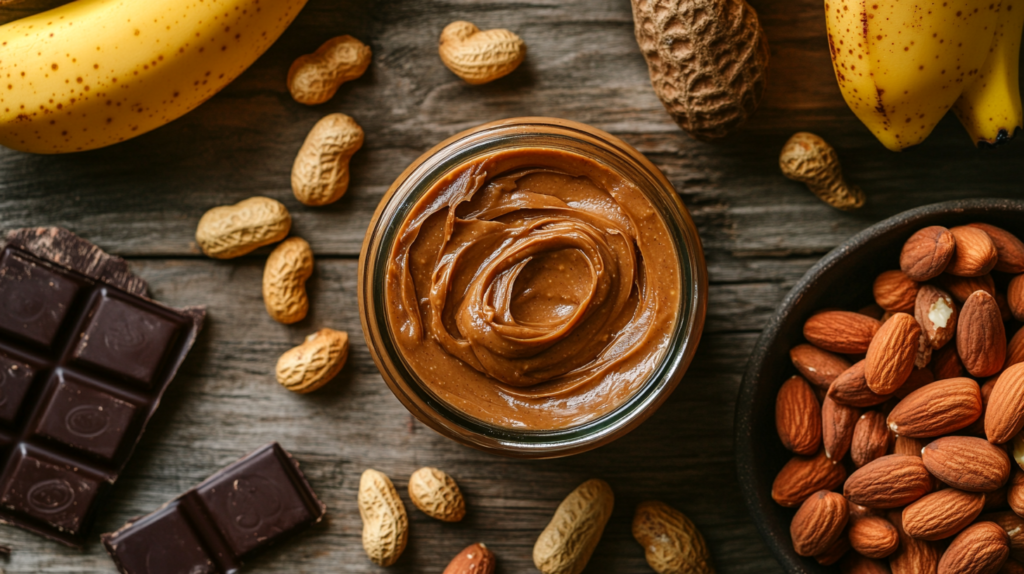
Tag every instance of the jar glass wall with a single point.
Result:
(558, 136)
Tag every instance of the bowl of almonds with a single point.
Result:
(879, 424)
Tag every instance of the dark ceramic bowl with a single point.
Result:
(843, 279)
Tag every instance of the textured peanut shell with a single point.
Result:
(284, 280)
(385, 524)
(320, 173)
(480, 56)
(565, 545)
(314, 363)
(707, 59)
(315, 78)
(230, 231)
(811, 160)
(437, 495)
(672, 544)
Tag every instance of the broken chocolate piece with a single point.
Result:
(83, 366)
(214, 527)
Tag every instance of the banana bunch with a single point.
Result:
(95, 72)
(902, 64)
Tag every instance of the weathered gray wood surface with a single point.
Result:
(761, 231)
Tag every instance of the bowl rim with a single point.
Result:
(743, 435)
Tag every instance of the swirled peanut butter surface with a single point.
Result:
(533, 289)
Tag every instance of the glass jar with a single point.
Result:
(449, 155)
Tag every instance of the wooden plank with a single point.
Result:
(145, 197)
(225, 402)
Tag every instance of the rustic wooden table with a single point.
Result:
(142, 200)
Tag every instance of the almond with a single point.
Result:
(1015, 492)
(913, 556)
(841, 331)
(894, 291)
(838, 423)
(851, 388)
(1015, 297)
(942, 514)
(909, 446)
(1009, 248)
(802, 476)
(873, 536)
(980, 549)
(890, 357)
(936, 313)
(946, 363)
(1004, 414)
(870, 439)
(937, 409)
(817, 366)
(838, 549)
(474, 559)
(798, 417)
(888, 482)
(962, 287)
(980, 336)
(968, 463)
(975, 253)
(927, 253)
(818, 523)
(1015, 349)
(857, 564)
(917, 379)
(1011, 524)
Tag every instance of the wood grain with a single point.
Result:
(142, 200)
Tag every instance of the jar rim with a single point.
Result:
(419, 177)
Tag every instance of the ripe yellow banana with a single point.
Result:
(95, 72)
(901, 64)
(990, 108)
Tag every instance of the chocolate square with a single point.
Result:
(85, 418)
(60, 496)
(34, 299)
(124, 339)
(15, 380)
(252, 503)
(161, 543)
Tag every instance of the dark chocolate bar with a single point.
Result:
(214, 527)
(83, 365)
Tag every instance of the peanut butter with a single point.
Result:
(533, 288)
